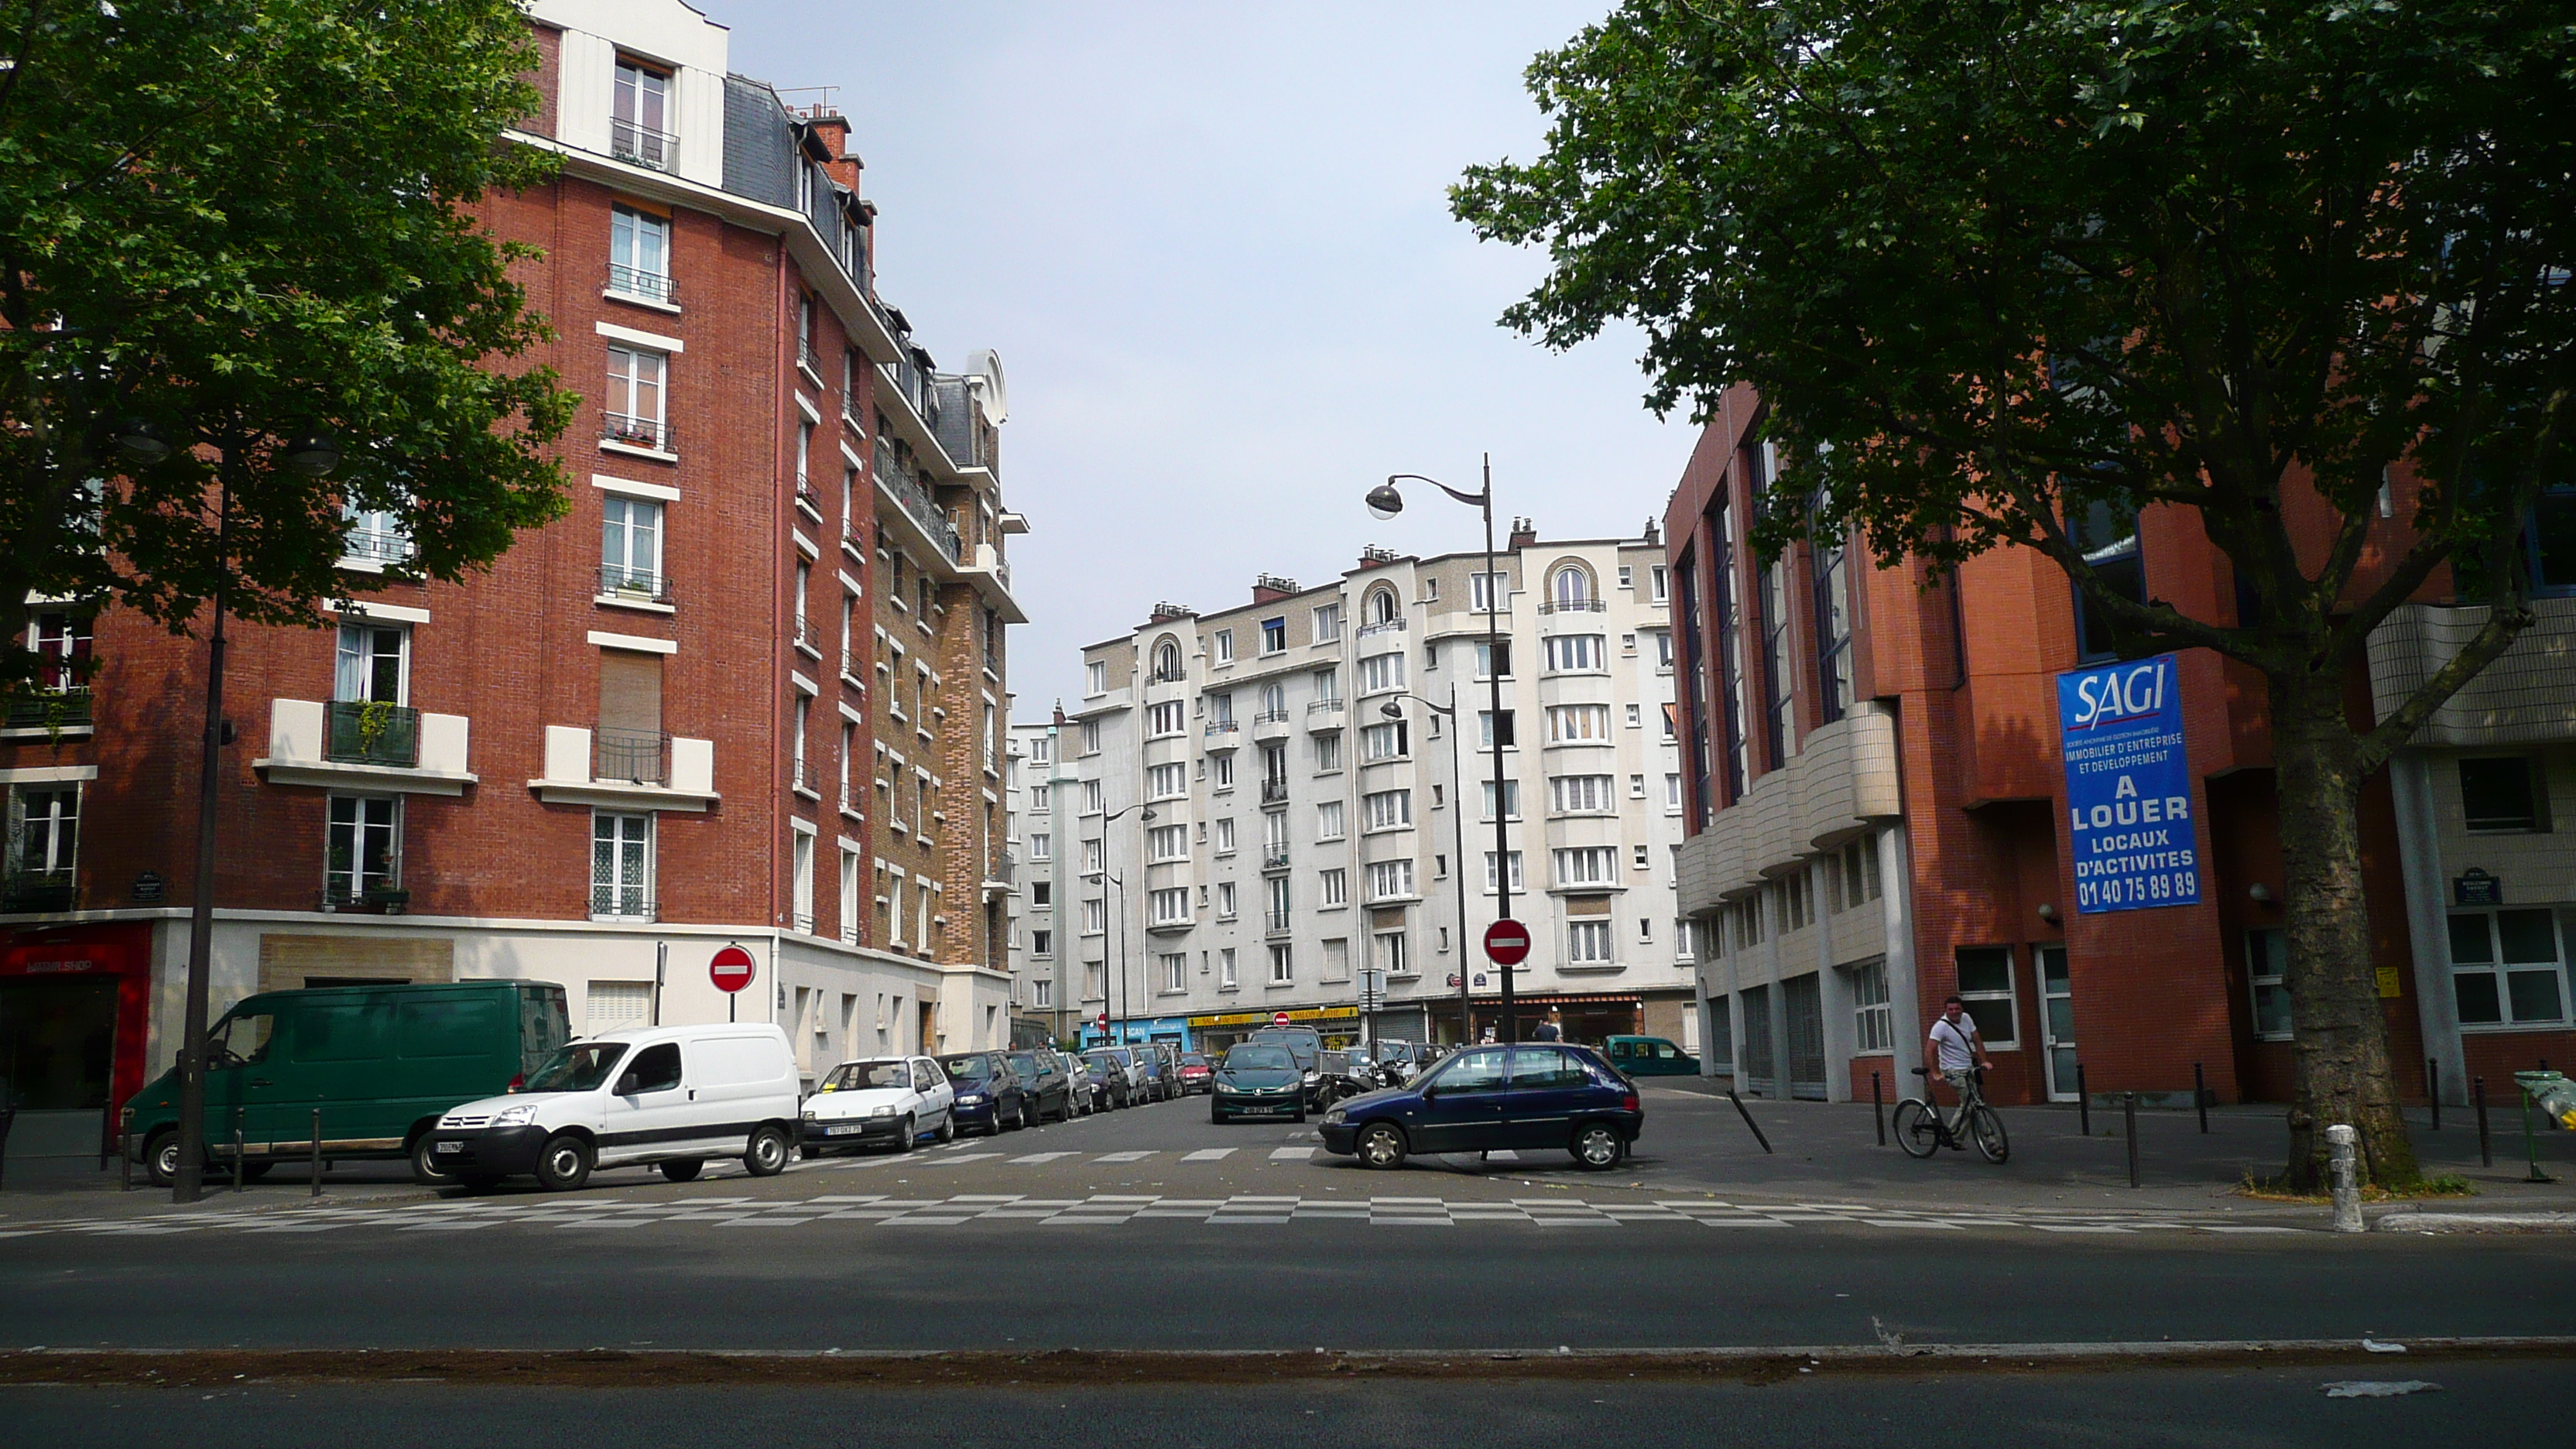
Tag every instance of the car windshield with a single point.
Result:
(1259, 1059)
(857, 1076)
(966, 1068)
(576, 1067)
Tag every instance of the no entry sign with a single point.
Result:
(1278, 1018)
(731, 969)
(1507, 943)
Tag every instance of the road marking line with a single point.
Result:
(1035, 1158)
(1122, 1156)
(1208, 1154)
(1291, 1154)
(966, 1197)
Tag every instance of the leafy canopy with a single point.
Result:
(1994, 262)
(239, 222)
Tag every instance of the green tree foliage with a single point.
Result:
(1997, 264)
(240, 222)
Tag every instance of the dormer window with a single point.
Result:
(639, 111)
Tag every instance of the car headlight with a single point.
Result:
(809, 1116)
(1333, 1117)
(1226, 1087)
(1310, 1077)
(514, 1116)
(885, 1111)
(973, 1099)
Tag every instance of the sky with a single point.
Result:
(1212, 247)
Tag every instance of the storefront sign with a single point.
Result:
(2128, 787)
(1265, 1018)
(2474, 887)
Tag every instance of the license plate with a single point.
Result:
(447, 1146)
(839, 1131)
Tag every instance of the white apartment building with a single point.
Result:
(1039, 777)
(1263, 806)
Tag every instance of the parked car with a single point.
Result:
(1532, 1096)
(669, 1096)
(1303, 1042)
(1151, 1083)
(1649, 1056)
(1258, 1079)
(1077, 1075)
(990, 1095)
(1113, 1085)
(1049, 1091)
(880, 1102)
(1198, 1074)
(381, 1063)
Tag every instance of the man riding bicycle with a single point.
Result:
(1957, 1052)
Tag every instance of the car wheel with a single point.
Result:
(904, 1135)
(424, 1165)
(1597, 1147)
(161, 1157)
(1382, 1146)
(564, 1163)
(682, 1169)
(948, 1125)
(766, 1155)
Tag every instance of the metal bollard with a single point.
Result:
(1749, 1122)
(2340, 1152)
(8, 1119)
(1878, 1109)
(2200, 1097)
(317, 1152)
(2129, 1106)
(2433, 1090)
(241, 1158)
(2478, 1100)
(2083, 1104)
(125, 1150)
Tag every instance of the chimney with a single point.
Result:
(1524, 534)
(1374, 556)
(1060, 720)
(833, 130)
(1168, 610)
(1266, 587)
(1654, 530)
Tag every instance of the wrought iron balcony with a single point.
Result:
(640, 144)
(1383, 626)
(635, 432)
(1572, 606)
(377, 545)
(642, 586)
(59, 709)
(637, 282)
(637, 757)
(371, 732)
(38, 892)
(1274, 923)
(1274, 792)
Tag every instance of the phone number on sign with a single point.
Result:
(2137, 890)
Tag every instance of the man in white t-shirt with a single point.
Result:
(1955, 1049)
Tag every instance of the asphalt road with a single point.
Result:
(1104, 1233)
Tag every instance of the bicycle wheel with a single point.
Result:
(1917, 1130)
(1988, 1129)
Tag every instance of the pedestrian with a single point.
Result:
(1552, 1029)
(1488, 1037)
(1956, 1050)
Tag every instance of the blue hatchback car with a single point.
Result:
(1537, 1095)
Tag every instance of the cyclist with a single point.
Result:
(1957, 1052)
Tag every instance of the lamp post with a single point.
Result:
(1124, 1021)
(1458, 824)
(1385, 502)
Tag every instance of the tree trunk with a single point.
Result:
(2340, 1047)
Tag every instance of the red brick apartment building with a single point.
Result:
(750, 690)
(1877, 815)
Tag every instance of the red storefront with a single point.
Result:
(75, 1029)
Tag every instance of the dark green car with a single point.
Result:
(1649, 1056)
(1258, 1079)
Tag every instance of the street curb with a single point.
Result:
(1092, 1368)
(2445, 1222)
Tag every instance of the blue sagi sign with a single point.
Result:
(2128, 787)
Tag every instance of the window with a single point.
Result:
(1095, 917)
(1176, 970)
(1095, 678)
(2503, 794)
(1389, 879)
(1578, 723)
(1673, 792)
(1328, 754)
(632, 410)
(621, 861)
(1571, 588)
(1797, 904)
(1627, 576)
(1580, 795)
(1220, 711)
(374, 664)
(44, 846)
(1518, 882)
(2108, 539)
(1493, 656)
(639, 109)
(1093, 859)
(1386, 810)
(1274, 834)
(1640, 857)
(1495, 730)
(639, 253)
(1167, 782)
(1042, 993)
(1167, 843)
(1167, 662)
(1779, 694)
(1225, 970)
(1282, 972)
(1663, 649)
(1483, 590)
(1168, 907)
(1225, 835)
(1381, 672)
(1635, 715)
(1572, 652)
(1853, 874)
(1328, 687)
(2508, 968)
(1091, 797)
(1391, 955)
(1274, 705)
(1659, 582)
(1276, 890)
(1328, 623)
(1511, 799)
(1225, 899)
(1274, 635)
(2267, 968)
(1091, 737)
(1588, 943)
(1588, 865)
(1636, 787)
(1383, 742)
(1382, 608)
(1873, 1020)
(1833, 629)
(1041, 798)
(1333, 887)
(1221, 644)
(1328, 820)
(1986, 990)
(1167, 718)
(1041, 893)
(1221, 771)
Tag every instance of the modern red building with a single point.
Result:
(749, 690)
(1878, 814)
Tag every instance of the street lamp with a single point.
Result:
(1458, 823)
(1384, 502)
(1124, 1019)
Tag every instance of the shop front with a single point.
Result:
(75, 1027)
(1339, 1026)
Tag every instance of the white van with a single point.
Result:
(671, 1096)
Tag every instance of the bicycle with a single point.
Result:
(1920, 1129)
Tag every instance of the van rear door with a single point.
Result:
(451, 1046)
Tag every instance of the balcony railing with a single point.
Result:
(377, 545)
(1271, 716)
(806, 358)
(638, 757)
(1222, 731)
(1274, 923)
(371, 732)
(1274, 858)
(1324, 706)
(1572, 606)
(51, 709)
(809, 495)
(1273, 792)
(1382, 626)
(808, 637)
(800, 773)
(642, 145)
(635, 432)
(642, 586)
(38, 891)
(637, 282)
(918, 504)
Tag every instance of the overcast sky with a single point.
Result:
(1211, 244)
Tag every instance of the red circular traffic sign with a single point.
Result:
(1507, 943)
(1278, 1018)
(731, 969)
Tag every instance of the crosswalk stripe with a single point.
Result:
(1208, 1154)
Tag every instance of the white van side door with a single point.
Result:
(737, 1083)
(645, 1112)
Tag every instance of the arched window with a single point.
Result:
(1572, 588)
(1274, 702)
(1167, 660)
(1382, 606)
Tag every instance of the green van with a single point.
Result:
(380, 1063)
